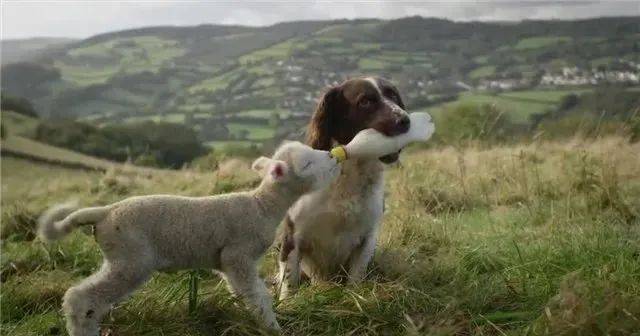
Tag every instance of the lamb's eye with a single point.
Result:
(307, 165)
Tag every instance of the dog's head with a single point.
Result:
(354, 105)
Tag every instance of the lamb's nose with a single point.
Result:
(403, 123)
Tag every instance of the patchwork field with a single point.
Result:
(225, 144)
(517, 105)
(482, 71)
(539, 42)
(120, 55)
(538, 239)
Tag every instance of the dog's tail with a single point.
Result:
(61, 219)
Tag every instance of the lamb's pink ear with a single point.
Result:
(260, 164)
(278, 170)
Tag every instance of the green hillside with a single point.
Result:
(20, 50)
(236, 84)
(18, 124)
(35, 150)
(15, 142)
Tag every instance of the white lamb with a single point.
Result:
(229, 233)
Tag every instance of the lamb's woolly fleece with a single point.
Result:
(140, 235)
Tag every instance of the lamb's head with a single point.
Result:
(299, 167)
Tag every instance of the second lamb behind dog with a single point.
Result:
(229, 233)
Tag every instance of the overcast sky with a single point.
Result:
(24, 18)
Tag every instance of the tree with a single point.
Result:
(274, 119)
(568, 102)
(22, 79)
(189, 120)
(19, 105)
(163, 144)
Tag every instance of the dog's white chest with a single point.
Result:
(352, 206)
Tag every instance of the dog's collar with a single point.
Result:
(339, 153)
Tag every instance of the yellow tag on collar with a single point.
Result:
(339, 153)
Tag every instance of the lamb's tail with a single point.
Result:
(61, 219)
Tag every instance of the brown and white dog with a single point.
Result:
(331, 234)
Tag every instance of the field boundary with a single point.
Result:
(65, 164)
(79, 161)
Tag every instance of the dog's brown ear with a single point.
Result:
(401, 102)
(319, 130)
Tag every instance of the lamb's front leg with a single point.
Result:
(360, 258)
(241, 275)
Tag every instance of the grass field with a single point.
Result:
(277, 51)
(545, 96)
(482, 71)
(17, 141)
(224, 144)
(20, 127)
(518, 105)
(481, 59)
(22, 145)
(171, 117)
(538, 239)
(262, 113)
(85, 75)
(264, 82)
(215, 83)
(518, 111)
(367, 64)
(19, 124)
(539, 42)
(254, 132)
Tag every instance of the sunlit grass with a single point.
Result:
(535, 239)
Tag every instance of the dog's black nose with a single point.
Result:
(403, 123)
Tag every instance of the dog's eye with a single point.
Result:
(307, 165)
(364, 102)
(391, 95)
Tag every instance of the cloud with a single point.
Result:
(74, 18)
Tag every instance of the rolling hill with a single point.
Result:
(249, 84)
(22, 50)
(17, 143)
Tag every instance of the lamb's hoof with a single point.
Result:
(84, 331)
(107, 332)
(274, 328)
(284, 295)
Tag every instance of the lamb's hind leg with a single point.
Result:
(86, 303)
(242, 277)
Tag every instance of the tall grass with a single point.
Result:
(530, 239)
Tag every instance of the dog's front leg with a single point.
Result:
(289, 260)
(361, 257)
(289, 275)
